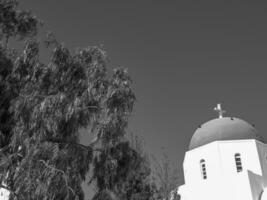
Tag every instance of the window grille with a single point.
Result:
(238, 162)
(203, 169)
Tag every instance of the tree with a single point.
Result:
(166, 177)
(16, 23)
(141, 179)
(44, 105)
(21, 25)
(126, 175)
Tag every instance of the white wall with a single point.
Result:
(4, 194)
(237, 189)
(219, 157)
(223, 181)
(262, 151)
(249, 156)
(192, 171)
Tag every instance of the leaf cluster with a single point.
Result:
(44, 105)
(14, 22)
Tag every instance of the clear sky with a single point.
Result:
(184, 57)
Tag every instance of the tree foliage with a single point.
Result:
(166, 177)
(44, 105)
(126, 175)
(16, 23)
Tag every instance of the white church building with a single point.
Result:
(226, 160)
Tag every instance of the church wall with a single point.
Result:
(242, 186)
(249, 156)
(4, 194)
(220, 159)
(222, 189)
(262, 151)
(223, 181)
(256, 185)
(192, 169)
(208, 190)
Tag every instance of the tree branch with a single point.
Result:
(61, 141)
(4, 149)
(6, 42)
(5, 187)
(63, 174)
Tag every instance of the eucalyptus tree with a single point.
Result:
(166, 176)
(44, 105)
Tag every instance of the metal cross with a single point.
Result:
(219, 110)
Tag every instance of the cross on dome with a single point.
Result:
(219, 110)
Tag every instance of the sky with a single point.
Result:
(184, 57)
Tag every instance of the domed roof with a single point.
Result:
(225, 128)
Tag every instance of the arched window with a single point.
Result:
(203, 169)
(238, 162)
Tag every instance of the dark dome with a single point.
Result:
(226, 128)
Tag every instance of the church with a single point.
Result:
(226, 160)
